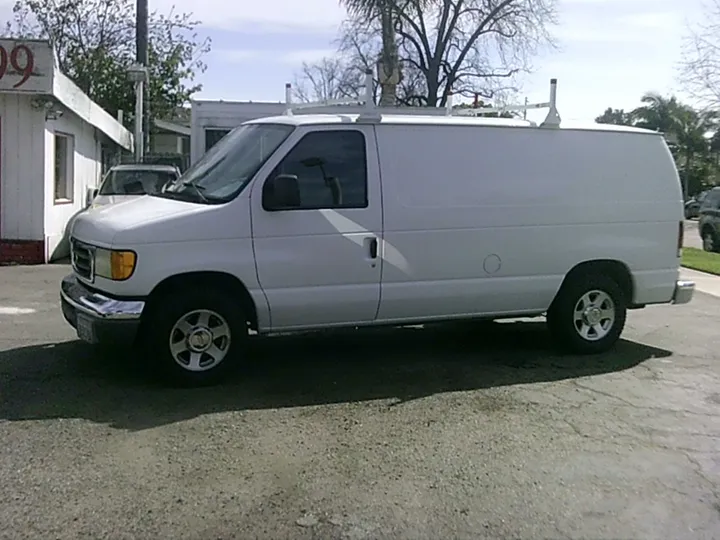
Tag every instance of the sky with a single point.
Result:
(610, 53)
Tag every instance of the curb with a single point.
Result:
(704, 282)
(706, 274)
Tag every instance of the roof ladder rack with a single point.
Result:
(366, 101)
(551, 120)
(370, 112)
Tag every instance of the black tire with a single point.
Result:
(172, 308)
(710, 245)
(561, 315)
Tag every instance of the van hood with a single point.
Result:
(101, 225)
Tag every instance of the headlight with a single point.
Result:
(113, 264)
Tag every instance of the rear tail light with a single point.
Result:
(681, 235)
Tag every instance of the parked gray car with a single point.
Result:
(692, 206)
(121, 183)
(127, 182)
(709, 222)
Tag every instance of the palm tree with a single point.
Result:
(617, 117)
(385, 11)
(715, 148)
(657, 113)
(693, 129)
(682, 124)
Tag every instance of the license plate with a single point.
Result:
(85, 330)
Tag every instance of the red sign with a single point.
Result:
(19, 60)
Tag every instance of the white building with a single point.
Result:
(52, 141)
(212, 120)
(170, 138)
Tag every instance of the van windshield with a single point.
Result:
(222, 173)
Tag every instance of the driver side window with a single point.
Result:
(715, 199)
(331, 169)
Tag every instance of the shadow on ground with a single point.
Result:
(73, 380)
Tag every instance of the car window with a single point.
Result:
(331, 167)
(712, 199)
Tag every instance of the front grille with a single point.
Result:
(82, 259)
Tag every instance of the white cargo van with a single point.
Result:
(304, 222)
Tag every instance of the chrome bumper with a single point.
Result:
(96, 305)
(684, 291)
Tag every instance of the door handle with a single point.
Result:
(373, 248)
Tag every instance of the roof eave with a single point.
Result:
(72, 97)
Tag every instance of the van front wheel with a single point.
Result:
(588, 314)
(195, 338)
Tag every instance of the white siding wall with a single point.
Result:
(166, 143)
(22, 175)
(86, 169)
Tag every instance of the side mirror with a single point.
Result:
(90, 196)
(281, 192)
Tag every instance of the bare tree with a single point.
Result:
(455, 46)
(700, 65)
(327, 79)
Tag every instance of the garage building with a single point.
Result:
(53, 140)
(211, 120)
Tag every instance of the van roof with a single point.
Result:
(445, 120)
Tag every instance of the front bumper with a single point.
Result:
(97, 318)
(684, 291)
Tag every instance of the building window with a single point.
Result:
(213, 136)
(63, 168)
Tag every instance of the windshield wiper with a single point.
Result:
(198, 189)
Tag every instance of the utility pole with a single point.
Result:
(137, 74)
(142, 123)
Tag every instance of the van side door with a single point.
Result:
(318, 259)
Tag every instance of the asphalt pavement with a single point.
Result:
(455, 431)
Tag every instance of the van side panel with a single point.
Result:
(489, 220)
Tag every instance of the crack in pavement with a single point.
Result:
(638, 406)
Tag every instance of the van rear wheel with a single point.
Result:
(588, 314)
(195, 338)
